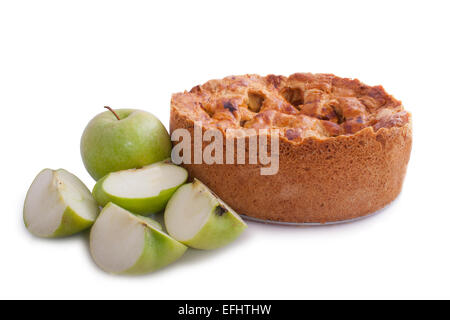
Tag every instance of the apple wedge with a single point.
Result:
(58, 204)
(196, 217)
(124, 243)
(142, 191)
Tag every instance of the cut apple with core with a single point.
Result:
(196, 217)
(58, 204)
(122, 242)
(142, 191)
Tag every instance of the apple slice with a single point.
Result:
(196, 217)
(122, 242)
(58, 204)
(142, 191)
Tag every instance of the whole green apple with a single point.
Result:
(123, 139)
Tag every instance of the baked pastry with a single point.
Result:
(343, 148)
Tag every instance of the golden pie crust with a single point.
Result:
(343, 150)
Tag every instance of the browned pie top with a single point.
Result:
(301, 105)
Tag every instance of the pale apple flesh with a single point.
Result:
(155, 224)
(196, 217)
(58, 204)
(142, 191)
(125, 243)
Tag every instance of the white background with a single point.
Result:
(62, 61)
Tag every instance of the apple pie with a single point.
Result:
(343, 146)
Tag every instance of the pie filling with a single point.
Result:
(300, 106)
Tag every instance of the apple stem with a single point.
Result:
(112, 110)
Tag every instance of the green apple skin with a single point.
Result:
(159, 251)
(71, 222)
(110, 145)
(144, 206)
(218, 231)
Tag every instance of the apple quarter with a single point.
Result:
(196, 217)
(58, 204)
(124, 243)
(142, 191)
